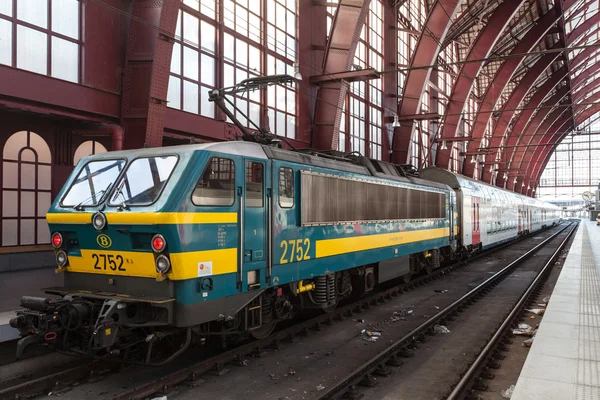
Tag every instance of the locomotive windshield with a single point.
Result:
(143, 181)
(93, 183)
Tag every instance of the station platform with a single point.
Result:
(564, 360)
(14, 285)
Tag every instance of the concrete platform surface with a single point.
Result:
(564, 361)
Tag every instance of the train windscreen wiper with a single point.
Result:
(81, 206)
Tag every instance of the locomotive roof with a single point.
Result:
(249, 149)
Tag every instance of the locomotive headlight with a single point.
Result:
(99, 221)
(61, 258)
(163, 264)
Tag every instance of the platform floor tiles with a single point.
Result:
(564, 361)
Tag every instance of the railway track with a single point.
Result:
(364, 375)
(61, 378)
(471, 380)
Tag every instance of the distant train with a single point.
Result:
(164, 247)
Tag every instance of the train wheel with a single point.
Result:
(429, 269)
(329, 309)
(264, 331)
(406, 278)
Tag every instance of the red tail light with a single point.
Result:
(56, 240)
(158, 243)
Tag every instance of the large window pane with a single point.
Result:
(27, 231)
(5, 42)
(9, 232)
(43, 233)
(65, 17)
(65, 60)
(6, 7)
(190, 63)
(32, 50)
(208, 70)
(10, 203)
(174, 93)
(176, 59)
(33, 11)
(190, 97)
(190, 29)
(27, 204)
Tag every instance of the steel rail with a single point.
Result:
(193, 373)
(378, 362)
(89, 369)
(467, 378)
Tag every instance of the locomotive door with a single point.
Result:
(475, 221)
(253, 223)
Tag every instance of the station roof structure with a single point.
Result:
(480, 87)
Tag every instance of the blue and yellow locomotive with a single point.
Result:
(160, 247)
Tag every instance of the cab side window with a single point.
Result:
(286, 187)
(216, 186)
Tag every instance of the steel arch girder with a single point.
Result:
(584, 116)
(146, 74)
(347, 25)
(513, 102)
(535, 166)
(524, 119)
(503, 76)
(425, 54)
(582, 57)
(534, 125)
(583, 28)
(552, 127)
(591, 70)
(483, 46)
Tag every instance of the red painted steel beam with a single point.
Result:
(543, 151)
(534, 167)
(349, 76)
(568, 4)
(347, 25)
(584, 29)
(523, 120)
(532, 127)
(555, 120)
(481, 48)
(425, 54)
(147, 66)
(583, 76)
(514, 101)
(39, 93)
(503, 76)
(583, 56)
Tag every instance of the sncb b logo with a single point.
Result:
(104, 241)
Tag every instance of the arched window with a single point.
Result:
(26, 185)
(87, 149)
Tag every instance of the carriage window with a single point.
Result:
(143, 181)
(254, 184)
(286, 187)
(216, 187)
(92, 183)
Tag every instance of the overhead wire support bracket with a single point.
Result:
(220, 96)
